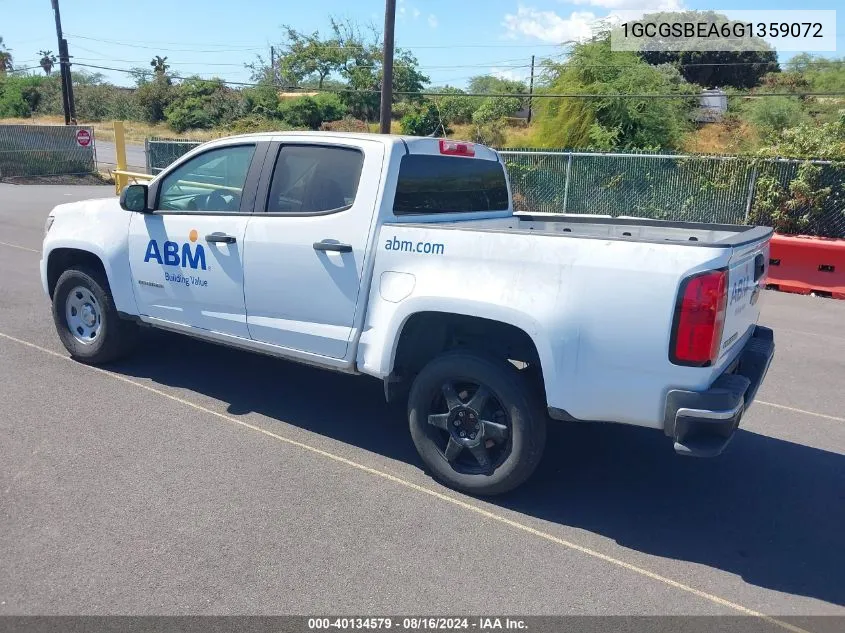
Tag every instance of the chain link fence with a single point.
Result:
(46, 150)
(161, 152)
(661, 186)
(718, 189)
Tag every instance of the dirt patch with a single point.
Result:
(65, 179)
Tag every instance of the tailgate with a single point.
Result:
(747, 270)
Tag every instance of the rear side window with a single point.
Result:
(447, 184)
(314, 179)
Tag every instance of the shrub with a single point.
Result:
(12, 102)
(311, 112)
(495, 108)
(790, 209)
(774, 114)
(424, 120)
(153, 98)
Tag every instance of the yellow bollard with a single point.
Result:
(120, 180)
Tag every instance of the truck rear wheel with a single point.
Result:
(476, 423)
(87, 321)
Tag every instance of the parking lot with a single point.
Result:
(195, 479)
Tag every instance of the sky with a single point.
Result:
(452, 39)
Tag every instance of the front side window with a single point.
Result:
(448, 184)
(314, 179)
(212, 181)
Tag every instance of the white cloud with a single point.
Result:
(432, 21)
(548, 26)
(416, 13)
(512, 74)
(644, 5)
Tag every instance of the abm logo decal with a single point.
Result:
(176, 254)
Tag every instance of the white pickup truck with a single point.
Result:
(402, 258)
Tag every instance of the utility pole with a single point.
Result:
(387, 65)
(64, 68)
(531, 91)
(273, 65)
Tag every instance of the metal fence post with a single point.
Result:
(751, 185)
(566, 184)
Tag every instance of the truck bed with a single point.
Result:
(621, 228)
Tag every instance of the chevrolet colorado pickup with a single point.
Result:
(402, 258)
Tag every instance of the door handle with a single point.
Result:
(221, 237)
(332, 246)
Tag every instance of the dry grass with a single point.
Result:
(729, 137)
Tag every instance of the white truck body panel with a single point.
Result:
(598, 303)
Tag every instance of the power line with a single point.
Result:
(501, 94)
(226, 47)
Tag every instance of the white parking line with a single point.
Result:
(23, 248)
(430, 492)
(804, 411)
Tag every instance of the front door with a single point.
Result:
(187, 256)
(305, 253)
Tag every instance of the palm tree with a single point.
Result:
(47, 61)
(5, 58)
(159, 65)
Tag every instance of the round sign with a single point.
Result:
(83, 137)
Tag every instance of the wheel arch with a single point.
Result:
(62, 258)
(423, 334)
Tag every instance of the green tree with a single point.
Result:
(5, 58)
(455, 107)
(262, 99)
(626, 122)
(12, 102)
(307, 56)
(47, 61)
(713, 68)
(424, 119)
(160, 65)
(490, 84)
(202, 104)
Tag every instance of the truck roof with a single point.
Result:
(416, 144)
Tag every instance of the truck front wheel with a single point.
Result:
(476, 423)
(87, 321)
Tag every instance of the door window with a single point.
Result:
(314, 179)
(212, 181)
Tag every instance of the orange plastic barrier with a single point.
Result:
(804, 264)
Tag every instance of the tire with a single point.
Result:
(108, 337)
(511, 402)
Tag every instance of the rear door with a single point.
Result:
(305, 245)
(746, 275)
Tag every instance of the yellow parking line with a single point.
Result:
(23, 248)
(432, 493)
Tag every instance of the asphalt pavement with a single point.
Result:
(196, 479)
(136, 159)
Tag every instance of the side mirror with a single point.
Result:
(134, 198)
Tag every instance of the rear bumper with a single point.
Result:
(702, 423)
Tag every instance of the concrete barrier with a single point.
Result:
(804, 265)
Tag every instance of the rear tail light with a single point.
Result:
(699, 319)
(456, 148)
